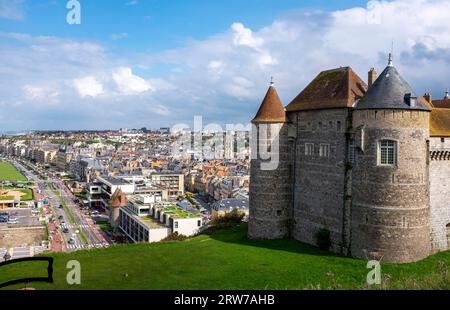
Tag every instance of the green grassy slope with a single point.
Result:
(228, 260)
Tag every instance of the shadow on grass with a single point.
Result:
(237, 234)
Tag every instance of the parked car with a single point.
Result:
(61, 206)
(66, 230)
(71, 241)
(60, 217)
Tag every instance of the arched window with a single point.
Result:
(387, 153)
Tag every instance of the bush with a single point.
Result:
(175, 237)
(323, 239)
(213, 229)
(233, 217)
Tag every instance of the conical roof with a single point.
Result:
(390, 91)
(271, 109)
(118, 199)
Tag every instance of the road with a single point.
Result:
(70, 217)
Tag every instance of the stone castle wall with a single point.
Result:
(440, 193)
(390, 204)
(271, 190)
(320, 180)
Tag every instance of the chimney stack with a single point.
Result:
(428, 97)
(372, 76)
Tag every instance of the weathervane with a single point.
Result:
(391, 55)
(271, 81)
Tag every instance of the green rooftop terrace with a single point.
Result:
(176, 212)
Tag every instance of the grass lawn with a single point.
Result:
(228, 260)
(9, 173)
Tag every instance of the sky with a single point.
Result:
(159, 63)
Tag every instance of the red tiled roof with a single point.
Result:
(444, 103)
(271, 109)
(118, 199)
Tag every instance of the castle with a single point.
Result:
(367, 163)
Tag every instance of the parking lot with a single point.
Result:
(18, 218)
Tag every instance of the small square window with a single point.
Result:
(442, 140)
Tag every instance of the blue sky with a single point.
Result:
(160, 62)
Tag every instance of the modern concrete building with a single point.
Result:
(146, 219)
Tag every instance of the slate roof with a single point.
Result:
(389, 91)
(271, 109)
(336, 88)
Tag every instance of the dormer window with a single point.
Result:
(387, 153)
(411, 100)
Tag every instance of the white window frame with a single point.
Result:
(387, 153)
(352, 152)
(324, 150)
(309, 149)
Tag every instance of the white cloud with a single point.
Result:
(11, 9)
(88, 87)
(244, 36)
(223, 77)
(132, 2)
(40, 93)
(119, 36)
(128, 83)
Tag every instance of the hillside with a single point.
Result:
(228, 260)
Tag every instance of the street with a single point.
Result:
(81, 231)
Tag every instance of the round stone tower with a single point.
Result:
(390, 203)
(270, 172)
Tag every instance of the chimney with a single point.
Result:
(372, 76)
(428, 97)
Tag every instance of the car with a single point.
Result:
(60, 217)
(63, 222)
(71, 241)
(12, 222)
(66, 230)
(3, 220)
(61, 206)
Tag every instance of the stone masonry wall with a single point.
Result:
(390, 204)
(320, 180)
(440, 193)
(271, 190)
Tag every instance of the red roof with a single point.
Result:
(271, 109)
(118, 199)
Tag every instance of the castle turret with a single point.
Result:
(118, 199)
(391, 207)
(270, 174)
